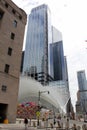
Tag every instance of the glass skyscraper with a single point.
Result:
(38, 37)
(82, 80)
(57, 59)
(82, 84)
(57, 67)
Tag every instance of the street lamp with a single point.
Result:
(39, 94)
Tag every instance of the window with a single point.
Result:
(9, 51)
(13, 11)
(15, 23)
(4, 88)
(1, 14)
(6, 68)
(20, 17)
(6, 5)
(12, 36)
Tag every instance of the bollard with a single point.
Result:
(34, 125)
(67, 124)
(19, 121)
(61, 124)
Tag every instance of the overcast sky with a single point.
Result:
(69, 17)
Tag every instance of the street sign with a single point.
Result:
(38, 114)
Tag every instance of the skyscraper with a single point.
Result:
(57, 65)
(37, 40)
(82, 80)
(57, 61)
(82, 83)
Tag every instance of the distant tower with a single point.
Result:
(57, 61)
(37, 40)
(57, 67)
(82, 83)
(82, 80)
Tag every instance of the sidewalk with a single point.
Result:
(19, 125)
(15, 127)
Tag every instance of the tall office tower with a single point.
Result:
(12, 26)
(37, 40)
(82, 80)
(57, 61)
(82, 89)
(57, 67)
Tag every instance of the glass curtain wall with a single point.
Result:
(36, 50)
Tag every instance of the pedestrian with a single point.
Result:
(26, 123)
(74, 127)
(54, 122)
(59, 125)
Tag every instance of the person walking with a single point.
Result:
(58, 123)
(26, 123)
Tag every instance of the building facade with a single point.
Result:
(57, 63)
(82, 86)
(37, 40)
(12, 26)
(57, 67)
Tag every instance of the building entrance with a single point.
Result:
(3, 112)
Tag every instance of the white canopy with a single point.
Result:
(58, 95)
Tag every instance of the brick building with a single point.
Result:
(12, 27)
